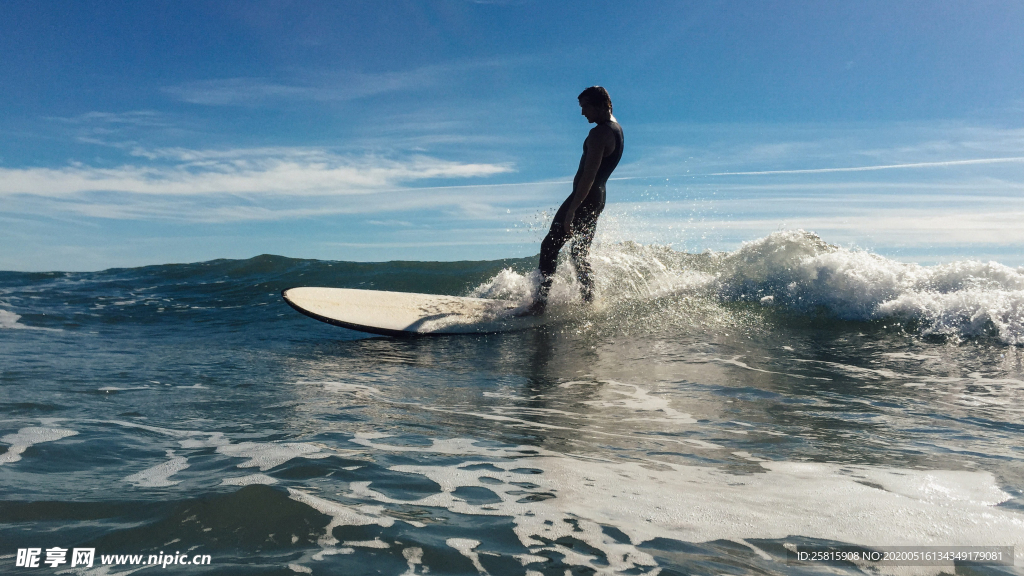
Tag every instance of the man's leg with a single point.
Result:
(585, 227)
(549, 248)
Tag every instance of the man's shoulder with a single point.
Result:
(604, 129)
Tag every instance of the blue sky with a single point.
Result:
(151, 132)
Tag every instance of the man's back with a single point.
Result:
(609, 133)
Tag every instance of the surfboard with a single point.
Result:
(406, 313)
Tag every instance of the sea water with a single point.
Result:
(710, 414)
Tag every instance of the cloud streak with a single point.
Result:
(143, 118)
(480, 203)
(336, 86)
(873, 168)
(253, 91)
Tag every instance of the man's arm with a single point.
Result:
(598, 142)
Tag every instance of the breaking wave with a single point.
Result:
(799, 273)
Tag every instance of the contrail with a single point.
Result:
(869, 168)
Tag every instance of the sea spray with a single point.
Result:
(800, 273)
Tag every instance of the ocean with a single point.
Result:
(712, 413)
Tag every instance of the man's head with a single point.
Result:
(596, 103)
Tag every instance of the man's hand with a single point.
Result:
(570, 215)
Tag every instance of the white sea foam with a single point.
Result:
(453, 446)
(413, 556)
(262, 455)
(798, 271)
(375, 543)
(509, 285)
(341, 515)
(267, 455)
(466, 547)
(9, 320)
(249, 480)
(26, 437)
(158, 476)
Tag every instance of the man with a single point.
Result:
(576, 219)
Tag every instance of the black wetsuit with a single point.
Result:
(584, 224)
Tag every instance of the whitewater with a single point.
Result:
(711, 413)
(798, 273)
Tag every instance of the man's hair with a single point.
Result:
(596, 95)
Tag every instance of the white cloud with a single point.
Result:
(458, 202)
(241, 184)
(269, 172)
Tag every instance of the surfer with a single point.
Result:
(576, 219)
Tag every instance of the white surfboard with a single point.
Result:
(405, 313)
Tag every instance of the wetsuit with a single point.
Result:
(584, 223)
